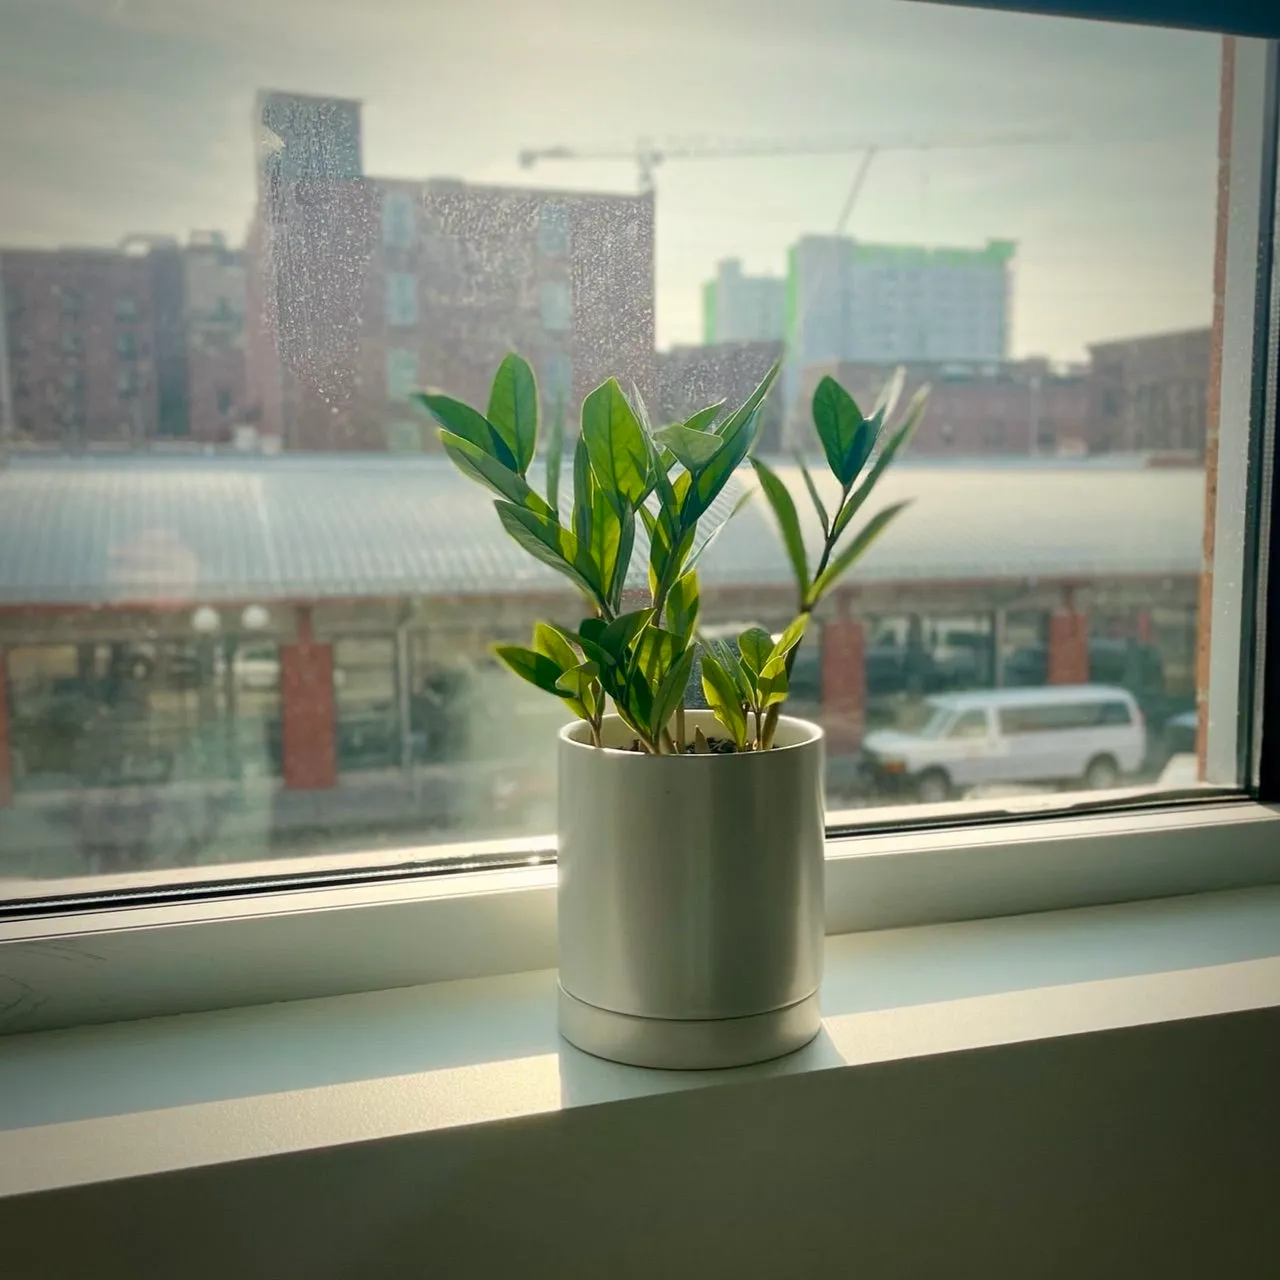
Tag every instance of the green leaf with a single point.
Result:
(784, 510)
(670, 693)
(683, 605)
(545, 540)
(622, 564)
(464, 421)
(548, 639)
(615, 443)
(536, 668)
(754, 646)
(722, 698)
(778, 653)
(854, 551)
(847, 438)
(579, 687)
(555, 455)
(693, 449)
(900, 438)
(606, 539)
(655, 651)
(473, 462)
(704, 418)
(774, 688)
(618, 636)
(513, 409)
(744, 680)
(583, 484)
(814, 495)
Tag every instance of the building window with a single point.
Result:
(127, 382)
(71, 344)
(224, 401)
(127, 346)
(70, 301)
(402, 374)
(553, 230)
(126, 309)
(398, 220)
(557, 380)
(555, 304)
(368, 714)
(402, 298)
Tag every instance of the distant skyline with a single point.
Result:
(135, 116)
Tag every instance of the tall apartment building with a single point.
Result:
(1151, 393)
(124, 346)
(742, 308)
(78, 349)
(363, 289)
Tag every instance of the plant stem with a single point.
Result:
(667, 743)
(770, 726)
(680, 738)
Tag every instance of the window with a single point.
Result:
(970, 724)
(362, 710)
(555, 305)
(402, 374)
(402, 298)
(553, 230)
(399, 218)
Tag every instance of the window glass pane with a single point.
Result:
(247, 605)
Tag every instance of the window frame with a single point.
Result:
(438, 913)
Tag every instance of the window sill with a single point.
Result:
(100, 1103)
(120, 962)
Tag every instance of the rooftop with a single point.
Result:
(155, 528)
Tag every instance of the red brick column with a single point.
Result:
(844, 682)
(6, 752)
(307, 727)
(1068, 647)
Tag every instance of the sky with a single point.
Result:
(121, 116)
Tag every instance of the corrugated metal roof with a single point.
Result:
(153, 528)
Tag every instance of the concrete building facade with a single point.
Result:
(740, 308)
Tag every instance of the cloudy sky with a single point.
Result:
(134, 115)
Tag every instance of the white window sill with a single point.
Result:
(99, 1103)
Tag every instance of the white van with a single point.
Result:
(1060, 733)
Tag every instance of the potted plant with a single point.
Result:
(690, 841)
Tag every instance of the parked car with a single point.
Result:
(1093, 734)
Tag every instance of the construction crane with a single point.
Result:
(647, 155)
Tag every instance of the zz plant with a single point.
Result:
(627, 474)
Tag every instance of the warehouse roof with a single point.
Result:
(184, 528)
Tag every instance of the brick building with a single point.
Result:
(78, 348)
(1016, 408)
(1150, 393)
(124, 346)
(692, 377)
(362, 289)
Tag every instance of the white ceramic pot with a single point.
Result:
(690, 899)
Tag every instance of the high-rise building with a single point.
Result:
(742, 308)
(123, 346)
(78, 347)
(363, 289)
